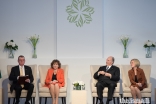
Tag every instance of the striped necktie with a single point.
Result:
(107, 68)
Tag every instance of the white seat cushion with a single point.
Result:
(46, 90)
(105, 90)
(22, 90)
(145, 90)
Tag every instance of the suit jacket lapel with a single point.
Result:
(133, 74)
(18, 71)
(25, 70)
(104, 68)
(138, 73)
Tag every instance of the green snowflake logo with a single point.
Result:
(80, 12)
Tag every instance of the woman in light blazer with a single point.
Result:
(137, 79)
(54, 80)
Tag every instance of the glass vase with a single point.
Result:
(74, 87)
(34, 54)
(11, 55)
(83, 87)
(78, 87)
(148, 54)
(125, 55)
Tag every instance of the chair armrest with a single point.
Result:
(118, 85)
(149, 85)
(40, 85)
(124, 86)
(9, 87)
(92, 86)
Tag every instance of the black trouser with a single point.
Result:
(106, 83)
(18, 89)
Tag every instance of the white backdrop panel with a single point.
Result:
(79, 42)
(21, 19)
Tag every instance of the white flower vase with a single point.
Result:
(125, 55)
(148, 54)
(11, 55)
(34, 54)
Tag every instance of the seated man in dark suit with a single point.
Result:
(107, 76)
(21, 70)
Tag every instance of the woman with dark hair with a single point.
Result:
(55, 79)
(137, 79)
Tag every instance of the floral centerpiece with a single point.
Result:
(124, 40)
(78, 85)
(34, 39)
(11, 46)
(148, 45)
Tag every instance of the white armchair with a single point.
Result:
(93, 69)
(24, 92)
(44, 91)
(146, 93)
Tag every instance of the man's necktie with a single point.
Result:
(107, 68)
(21, 71)
(21, 74)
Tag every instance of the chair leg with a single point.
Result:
(45, 100)
(114, 100)
(62, 100)
(143, 100)
(33, 100)
(118, 100)
(8, 100)
(14, 101)
(125, 99)
(150, 100)
(96, 100)
(40, 100)
(93, 100)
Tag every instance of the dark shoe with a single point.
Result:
(17, 102)
(107, 102)
(101, 102)
(27, 103)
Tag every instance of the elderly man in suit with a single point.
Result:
(107, 76)
(21, 70)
